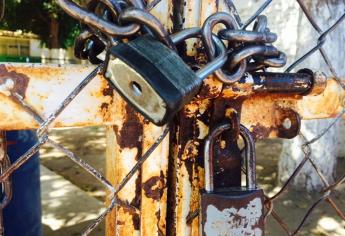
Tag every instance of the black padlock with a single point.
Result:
(154, 79)
(231, 211)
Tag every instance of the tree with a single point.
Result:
(326, 150)
(295, 37)
(42, 17)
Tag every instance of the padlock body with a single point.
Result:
(152, 78)
(232, 212)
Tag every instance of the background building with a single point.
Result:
(27, 47)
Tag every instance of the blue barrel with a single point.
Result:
(22, 216)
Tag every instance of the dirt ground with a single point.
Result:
(89, 144)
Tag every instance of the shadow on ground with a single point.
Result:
(71, 213)
(67, 209)
(87, 143)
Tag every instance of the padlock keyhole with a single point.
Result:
(136, 88)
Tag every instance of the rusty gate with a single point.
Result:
(155, 174)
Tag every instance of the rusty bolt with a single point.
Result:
(289, 123)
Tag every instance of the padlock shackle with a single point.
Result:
(208, 155)
(221, 54)
(249, 152)
(209, 158)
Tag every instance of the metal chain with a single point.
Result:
(243, 45)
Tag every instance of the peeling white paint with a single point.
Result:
(6, 87)
(249, 78)
(256, 87)
(203, 129)
(234, 222)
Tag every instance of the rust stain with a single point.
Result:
(20, 81)
(288, 123)
(107, 91)
(261, 132)
(136, 222)
(104, 106)
(131, 133)
(138, 186)
(153, 187)
(130, 136)
(211, 88)
(40, 72)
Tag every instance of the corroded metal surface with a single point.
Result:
(192, 126)
(127, 140)
(44, 87)
(234, 212)
(124, 147)
(154, 184)
(269, 105)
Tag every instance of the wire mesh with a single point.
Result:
(43, 138)
(306, 146)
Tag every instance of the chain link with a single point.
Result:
(243, 45)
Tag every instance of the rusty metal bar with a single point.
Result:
(268, 82)
(124, 146)
(184, 194)
(44, 87)
(127, 140)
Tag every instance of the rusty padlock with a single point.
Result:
(234, 211)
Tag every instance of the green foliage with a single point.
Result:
(35, 16)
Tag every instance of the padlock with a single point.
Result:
(154, 79)
(233, 211)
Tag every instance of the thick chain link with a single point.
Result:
(108, 22)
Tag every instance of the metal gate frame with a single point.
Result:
(43, 87)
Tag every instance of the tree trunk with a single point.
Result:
(54, 33)
(295, 37)
(327, 148)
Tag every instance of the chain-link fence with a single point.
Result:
(43, 136)
(326, 193)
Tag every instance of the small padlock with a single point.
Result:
(231, 211)
(154, 79)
